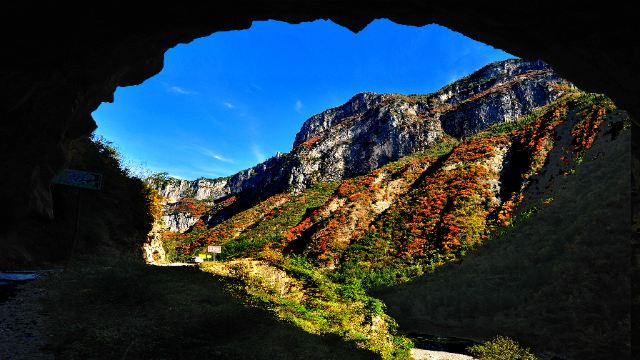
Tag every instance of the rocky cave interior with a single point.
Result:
(61, 60)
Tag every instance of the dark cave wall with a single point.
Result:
(60, 61)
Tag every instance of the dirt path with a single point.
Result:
(420, 354)
(21, 324)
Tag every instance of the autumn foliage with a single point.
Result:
(408, 216)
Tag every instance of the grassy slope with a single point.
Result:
(132, 311)
(559, 282)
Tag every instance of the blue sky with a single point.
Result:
(225, 102)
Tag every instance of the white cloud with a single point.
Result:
(260, 157)
(194, 172)
(229, 105)
(198, 168)
(214, 155)
(182, 91)
(223, 159)
(298, 106)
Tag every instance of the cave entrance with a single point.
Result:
(56, 71)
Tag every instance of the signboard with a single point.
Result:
(79, 178)
(214, 249)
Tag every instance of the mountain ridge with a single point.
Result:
(371, 130)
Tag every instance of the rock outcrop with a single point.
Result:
(178, 221)
(371, 130)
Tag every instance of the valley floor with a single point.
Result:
(133, 311)
(420, 354)
(75, 316)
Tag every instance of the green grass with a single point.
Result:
(314, 303)
(501, 348)
(271, 230)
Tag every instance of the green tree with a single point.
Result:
(501, 348)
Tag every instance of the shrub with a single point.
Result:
(501, 348)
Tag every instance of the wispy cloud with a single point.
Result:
(194, 172)
(214, 155)
(180, 90)
(198, 168)
(223, 159)
(228, 105)
(257, 152)
(298, 106)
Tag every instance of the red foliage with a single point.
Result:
(191, 206)
(228, 201)
(537, 138)
(586, 129)
(449, 208)
(311, 141)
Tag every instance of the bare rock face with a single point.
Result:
(178, 221)
(175, 189)
(367, 132)
(153, 249)
(371, 130)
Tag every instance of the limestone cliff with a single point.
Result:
(371, 130)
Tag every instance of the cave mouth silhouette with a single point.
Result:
(61, 60)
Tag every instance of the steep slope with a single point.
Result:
(369, 131)
(559, 281)
(311, 255)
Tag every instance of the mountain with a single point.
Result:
(371, 130)
(389, 188)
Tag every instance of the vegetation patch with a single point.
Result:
(501, 348)
(297, 293)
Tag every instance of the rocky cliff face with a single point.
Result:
(173, 190)
(371, 130)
